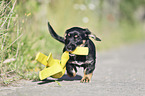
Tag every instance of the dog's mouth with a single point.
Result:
(70, 47)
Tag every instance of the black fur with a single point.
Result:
(74, 37)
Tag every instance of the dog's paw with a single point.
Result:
(85, 80)
(71, 74)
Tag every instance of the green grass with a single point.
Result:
(25, 33)
(9, 38)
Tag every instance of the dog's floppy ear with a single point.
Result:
(94, 37)
(88, 33)
(54, 35)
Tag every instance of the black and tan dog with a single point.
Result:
(74, 37)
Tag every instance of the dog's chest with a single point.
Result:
(81, 58)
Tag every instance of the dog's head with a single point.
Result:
(77, 36)
(74, 37)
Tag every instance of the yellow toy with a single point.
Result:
(56, 68)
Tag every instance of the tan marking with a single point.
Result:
(65, 36)
(84, 41)
(86, 78)
(74, 74)
(76, 35)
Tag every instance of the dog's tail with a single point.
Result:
(54, 35)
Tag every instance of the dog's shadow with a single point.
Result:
(63, 78)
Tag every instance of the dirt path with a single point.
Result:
(119, 72)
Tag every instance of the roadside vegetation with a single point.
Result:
(24, 32)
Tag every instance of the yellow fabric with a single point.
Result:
(41, 58)
(64, 58)
(56, 68)
(46, 72)
(81, 51)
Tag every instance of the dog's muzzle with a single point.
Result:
(71, 47)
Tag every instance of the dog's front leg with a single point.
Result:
(71, 70)
(88, 72)
(86, 78)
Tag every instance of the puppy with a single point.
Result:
(73, 38)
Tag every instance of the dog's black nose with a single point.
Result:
(70, 47)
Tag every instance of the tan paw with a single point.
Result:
(86, 78)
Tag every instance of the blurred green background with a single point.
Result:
(24, 32)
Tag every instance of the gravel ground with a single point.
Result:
(119, 72)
